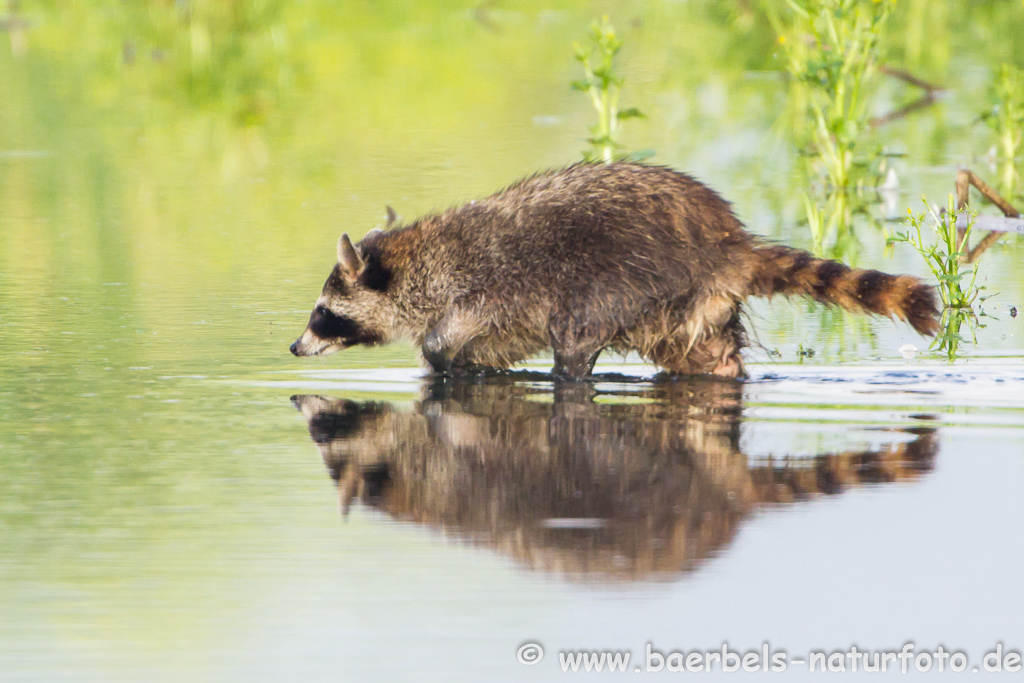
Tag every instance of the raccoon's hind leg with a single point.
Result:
(716, 351)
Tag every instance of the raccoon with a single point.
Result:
(620, 256)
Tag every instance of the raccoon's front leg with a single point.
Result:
(443, 343)
(576, 344)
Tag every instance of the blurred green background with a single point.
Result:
(191, 164)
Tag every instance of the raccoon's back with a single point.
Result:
(648, 229)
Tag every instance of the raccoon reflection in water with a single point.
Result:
(635, 484)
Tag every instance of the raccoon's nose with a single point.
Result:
(294, 348)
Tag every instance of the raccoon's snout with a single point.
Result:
(311, 345)
(301, 348)
(304, 346)
(325, 334)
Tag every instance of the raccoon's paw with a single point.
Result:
(438, 362)
(443, 347)
(730, 367)
(437, 354)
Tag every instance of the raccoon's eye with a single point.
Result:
(321, 311)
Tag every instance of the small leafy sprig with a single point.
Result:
(945, 255)
(602, 84)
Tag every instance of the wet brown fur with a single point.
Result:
(623, 256)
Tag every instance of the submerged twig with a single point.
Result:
(931, 93)
(482, 15)
(910, 78)
(12, 23)
(964, 179)
(923, 102)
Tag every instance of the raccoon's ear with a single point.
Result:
(348, 258)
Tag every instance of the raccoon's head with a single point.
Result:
(352, 309)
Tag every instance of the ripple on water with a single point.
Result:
(992, 389)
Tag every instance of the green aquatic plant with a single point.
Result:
(1005, 115)
(945, 254)
(602, 83)
(835, 218)
(832, 48)
(949, 338)
(831, 51)
(802, 353)
(819, 225)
